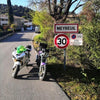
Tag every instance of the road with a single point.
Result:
(27, 86)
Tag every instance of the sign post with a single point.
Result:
(65, 59)
(61, 41)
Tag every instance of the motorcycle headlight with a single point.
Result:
(15, 60)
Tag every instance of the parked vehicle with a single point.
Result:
(37, 29)
(21, 58)
(41, 60)
(30, 28)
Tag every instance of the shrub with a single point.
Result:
(13, 27)
(1, 30)
(5, 27)
(9, 30)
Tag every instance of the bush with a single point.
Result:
(9, 30)
(13, 27)
(1, 30)
(88, 55)
(45, 22)
(5, 27)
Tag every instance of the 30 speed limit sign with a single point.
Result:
(61, 41)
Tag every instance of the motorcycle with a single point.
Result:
(41, 61)
(21, 58)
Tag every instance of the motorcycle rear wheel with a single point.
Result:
(15, 72)
(42, 72)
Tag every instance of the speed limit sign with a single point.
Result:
(61, 41)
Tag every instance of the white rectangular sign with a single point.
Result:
(66, 28)
(76, 39)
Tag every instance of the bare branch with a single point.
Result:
(68, 5)
(77, 7)
(74, 2)
(54, 6)
(35, 2)
(78, 3)
(65, 14)
(58, 9)
(49, 6)
(61, 6)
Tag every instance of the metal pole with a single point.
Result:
(65, 59)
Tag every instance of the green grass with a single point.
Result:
(75, 84)
(78, 84)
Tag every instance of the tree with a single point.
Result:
(45, 23)
(96, 5)
(91, 10)
(88, 11)
(58, 9)
(10, 12)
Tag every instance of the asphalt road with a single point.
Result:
(27, 86)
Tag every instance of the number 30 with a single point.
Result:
(61, 41)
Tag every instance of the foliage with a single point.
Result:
(46, 24)
(88, 55)
(5, 27)
(1, 30)
(91, 32)
(80, 83)
(13, 26)
(75, 84)
(9, 30)
(88, 11)
(10, 12)
(91, 10)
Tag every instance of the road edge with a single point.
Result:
(3, 37)
(61, 92)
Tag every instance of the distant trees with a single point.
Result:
(17, 11)
(10, 12)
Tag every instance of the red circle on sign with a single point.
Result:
(60, 35)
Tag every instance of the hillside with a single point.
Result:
(17, 10)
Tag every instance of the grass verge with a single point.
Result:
(75, 84)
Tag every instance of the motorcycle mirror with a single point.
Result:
(15, 48)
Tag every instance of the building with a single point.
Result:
(28, 23)
(3, 20)
(18, 21)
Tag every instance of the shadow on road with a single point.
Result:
(16, 38)
(33, 75)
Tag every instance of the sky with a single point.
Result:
(16, 2)
(25, 3)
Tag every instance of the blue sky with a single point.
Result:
(25, 3)
(16, 2)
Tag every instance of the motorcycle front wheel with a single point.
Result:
(15, 71)
(42, 72)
